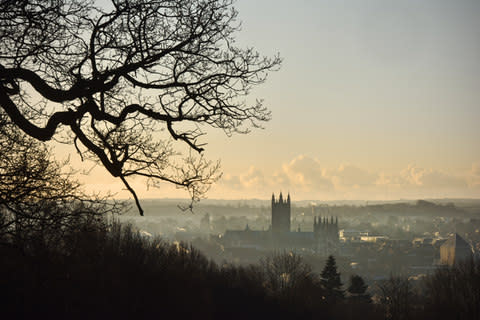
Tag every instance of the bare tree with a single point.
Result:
(455, 291)
(286, 271)
(396, 295)
(123, 81)
(39, 199)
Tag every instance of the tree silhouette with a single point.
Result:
(330, 279)
(357, 290)
(39, 200)
(455, 291)
(285, 271)
(396, 297)
(123, 81)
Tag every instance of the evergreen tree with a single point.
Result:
(357, 290)
(330, 279)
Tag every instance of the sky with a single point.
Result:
(375, 99)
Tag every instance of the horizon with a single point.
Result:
(306, 200)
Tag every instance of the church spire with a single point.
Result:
(280, 199)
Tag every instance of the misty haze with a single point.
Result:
(222, 159)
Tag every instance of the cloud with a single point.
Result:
(474, 175)
(430, 178)
(476, 169)
(306, 178)
(231, 181)
(351, 176)
(303, 172)
(253, 178)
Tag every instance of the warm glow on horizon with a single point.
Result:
(374, 100)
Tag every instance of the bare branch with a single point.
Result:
(112, 80)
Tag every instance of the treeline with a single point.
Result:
(112, 271)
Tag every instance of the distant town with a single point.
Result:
(374, 240)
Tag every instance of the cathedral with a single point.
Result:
(281, 212)
(324, 238)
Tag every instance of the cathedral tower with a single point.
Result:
(280, 214)
(326, 233)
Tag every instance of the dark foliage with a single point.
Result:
(396, 297)
(454, 292)
(357, 285)
(108, 270)
(357, 290)
(114, 272)
(331, 281)
(449, 293)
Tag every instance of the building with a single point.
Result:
(324, 239)
(454, 250)
(326, 234)
(281, 215)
